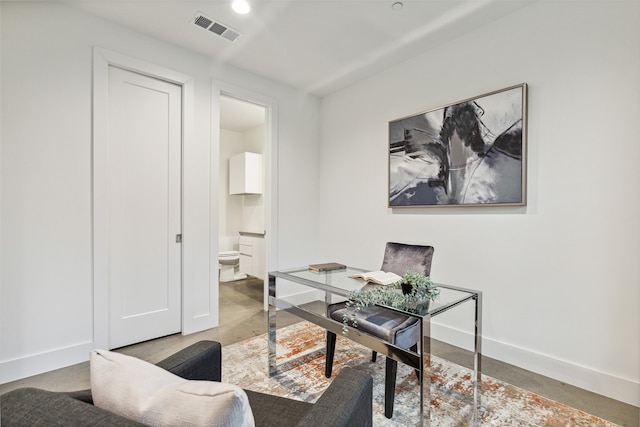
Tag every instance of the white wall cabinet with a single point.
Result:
(245, 174)
(252, 256)
(259, 260)
(246, 255)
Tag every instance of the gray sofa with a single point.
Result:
(346, 402)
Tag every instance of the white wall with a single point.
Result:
(560, 277)
(253, 204)
(230, 206)
(46, 315)
(239, 212)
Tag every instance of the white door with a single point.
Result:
(144, 156)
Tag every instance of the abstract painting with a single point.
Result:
(471, 153)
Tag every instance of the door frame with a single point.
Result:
(102, 59)
(219, 88)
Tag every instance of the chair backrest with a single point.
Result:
(400, 257)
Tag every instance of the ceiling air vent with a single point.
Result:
(215, 27)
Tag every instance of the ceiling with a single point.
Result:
(317, 46)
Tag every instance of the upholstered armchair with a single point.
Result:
(396, 328)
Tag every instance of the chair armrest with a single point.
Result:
(32, 407)
(347, 402)
(199, 361)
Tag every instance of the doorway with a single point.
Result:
(242, 215)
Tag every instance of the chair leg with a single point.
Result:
(331, 348)
(374, 356)
(390, 386)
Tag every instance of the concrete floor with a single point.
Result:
(242, 317)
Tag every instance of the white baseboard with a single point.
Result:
(599, 382)
(16, 369)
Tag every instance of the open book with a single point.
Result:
(379, 277)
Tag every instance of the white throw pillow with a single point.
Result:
(146, 393)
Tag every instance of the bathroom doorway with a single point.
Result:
(243, 196)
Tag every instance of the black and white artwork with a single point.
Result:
(468, 153)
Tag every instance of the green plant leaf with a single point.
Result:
(421, 291)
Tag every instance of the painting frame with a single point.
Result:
(468, 153)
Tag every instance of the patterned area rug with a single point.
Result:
(245, 364)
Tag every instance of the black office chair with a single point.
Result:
(396, 328)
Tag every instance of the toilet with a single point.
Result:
(229, 261)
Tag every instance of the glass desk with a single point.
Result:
(337, 282)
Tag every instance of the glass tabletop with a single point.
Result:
(338, 282)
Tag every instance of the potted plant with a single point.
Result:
(413, 293)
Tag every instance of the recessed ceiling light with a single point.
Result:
(397, 5)
(241, 6)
